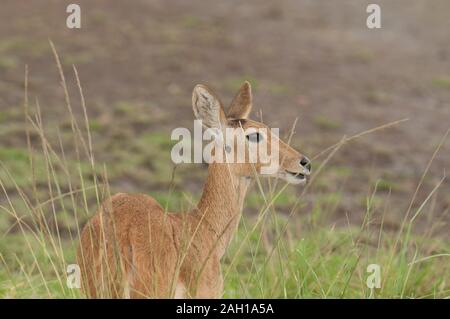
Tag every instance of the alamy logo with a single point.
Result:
(73, 276)
(73, 20)
(374, 19)
(230, 145)
(374, 279)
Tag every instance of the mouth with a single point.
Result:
(293, 177)
(298, 176)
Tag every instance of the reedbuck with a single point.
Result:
(133, 248)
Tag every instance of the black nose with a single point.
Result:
(306, 163)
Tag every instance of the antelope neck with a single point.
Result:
(221, 203)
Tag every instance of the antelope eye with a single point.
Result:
(255, 137)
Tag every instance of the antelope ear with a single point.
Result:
(242, 103)
(207, 107)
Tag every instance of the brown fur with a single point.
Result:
(133, 248)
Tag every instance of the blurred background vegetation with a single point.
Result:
(314, 61)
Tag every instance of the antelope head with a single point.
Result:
(248, 147)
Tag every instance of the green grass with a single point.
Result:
(325, 263)
(330, 263)
(326, 123)
(272, 256)
(286, 245)
(8, 62)
(442, 82)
